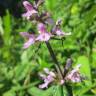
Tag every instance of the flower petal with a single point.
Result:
(25, 34)
(74, 75)
(48, 78)
(30, 10)
(29, 14)
(27, 6)
(44, 37)
(49, 21)
(28, 43)
(59, 33)
(47, 81)
(44, 85)
(41, 28)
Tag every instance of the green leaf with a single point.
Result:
(35, 91)
(90, 15)
(85, 71)
(9, 93)
(85, 66)
(21, 71)
(81, 90)
(7, 27)
(74, 9)
(51, 91)
(50, 4)
(1, 85)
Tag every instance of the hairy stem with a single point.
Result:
(54, 59)
(69, 90)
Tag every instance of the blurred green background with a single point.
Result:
(19, 68)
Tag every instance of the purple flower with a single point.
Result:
(30, 37)
(41, 28)
(49, 78)
(43, 37)
(61, 33)
(74, 75)
(57, 30)
(47, 81)
(30, 10)
(43, 34)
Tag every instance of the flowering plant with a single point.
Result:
(42, 21)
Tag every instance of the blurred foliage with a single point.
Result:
(19, 68)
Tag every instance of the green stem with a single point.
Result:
(54, 59)
(69, 90)
(61, 90)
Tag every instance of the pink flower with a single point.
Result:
(57, 30)
(44, 35)
(61, 33)
(49, 78)
(41, 28)
(30, 10)
(74, 75)
(47, 81)
(30, 37)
